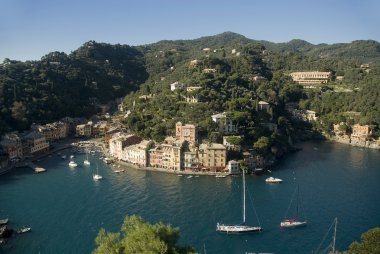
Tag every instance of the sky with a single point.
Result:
(30, 29)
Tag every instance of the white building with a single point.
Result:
(176, 85)
(233, 167)
(137, 154)
(225, 123)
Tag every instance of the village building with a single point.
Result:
(233, 167)
(209, 70)
(36, 142)
(109, 134)
(12, 146)
(84, 130)
(100, 129)
(225, 123)
(155, 157)
(177, 86)
(252, 160)
(212, 156)
(263, 105)
(360, 132)
(191, 161)
(137, 154)
(306, 78)
(304, 115)
(172, 157)
(119, 141)
(186, 132)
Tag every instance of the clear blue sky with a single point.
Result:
(30, 29)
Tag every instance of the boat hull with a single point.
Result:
(292, 224)
(237, 229)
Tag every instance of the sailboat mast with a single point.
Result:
(333, 247)
(243, 196)
(298, 194)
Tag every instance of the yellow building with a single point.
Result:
(360, 132)
(213, 156)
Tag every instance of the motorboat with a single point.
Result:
(273, 180)
(23, 230)
(72, 164)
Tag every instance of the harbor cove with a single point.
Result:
(66, 208)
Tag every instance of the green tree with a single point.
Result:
(262, 145)
(18, 111)
(137, 236)
(370, 243)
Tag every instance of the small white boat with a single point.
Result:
(117, 171)
(96, 176)
(86, 161)
(4, 221)
(273, 180)
(292, 223)
(23, 230)
(63, 156)
(179, 175)
(220, 176)
(71, 156)
(190, 177)
(72, 164)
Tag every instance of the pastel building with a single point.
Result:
(186, 132)
(212, 156)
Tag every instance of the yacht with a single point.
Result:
(72, 164)
(273, 180)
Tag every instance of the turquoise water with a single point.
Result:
(66, 208)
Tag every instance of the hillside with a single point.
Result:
(75, 84)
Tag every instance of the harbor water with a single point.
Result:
(66, 208)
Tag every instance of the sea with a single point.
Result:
(66, 208)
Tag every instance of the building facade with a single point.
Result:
(186, 132)
(225, 123)
(212, 156)
(311, 77)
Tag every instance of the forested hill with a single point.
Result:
(67, 85)
(73, 84)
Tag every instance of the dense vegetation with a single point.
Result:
(67, 85)
(137, 236)
(72, 85)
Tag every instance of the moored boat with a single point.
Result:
(295, 221)
(72, 164)
(273, 180)
(4, 221)
(23, 230)
(239, 228)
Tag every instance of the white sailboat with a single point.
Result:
(239, 228)
(294, 222)
(97, 176)
(86, 161)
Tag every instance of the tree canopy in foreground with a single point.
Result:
(137, 236)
